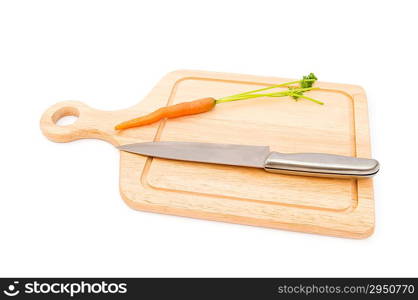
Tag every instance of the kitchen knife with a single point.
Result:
(308, 164)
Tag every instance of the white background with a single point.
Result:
(60, 210)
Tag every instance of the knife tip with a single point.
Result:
(133, 148)
(124, 147)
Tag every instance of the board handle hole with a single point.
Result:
(66, 116)
(66, 120)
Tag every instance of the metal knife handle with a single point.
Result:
(319, 164)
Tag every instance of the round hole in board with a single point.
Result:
(65, 116)
(66, 120)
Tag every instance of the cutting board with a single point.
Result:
(338, 207)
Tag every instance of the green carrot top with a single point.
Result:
(305, 84)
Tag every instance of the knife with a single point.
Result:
(307, 164)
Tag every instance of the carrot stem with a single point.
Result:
(266, 88)
(296, 92)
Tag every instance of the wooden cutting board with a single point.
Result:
(339, 207)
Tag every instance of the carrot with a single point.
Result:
(173, 111)
(207, 104)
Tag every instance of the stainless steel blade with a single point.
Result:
(226, 154)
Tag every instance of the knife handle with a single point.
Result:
(320, 164)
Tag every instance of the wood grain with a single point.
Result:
(338, 207)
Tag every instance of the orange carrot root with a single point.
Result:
(169, 112)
